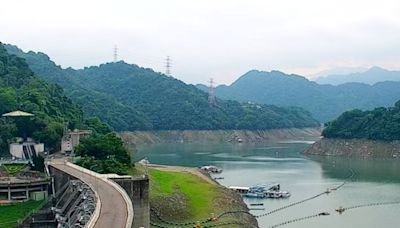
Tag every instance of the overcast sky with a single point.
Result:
(222, 39)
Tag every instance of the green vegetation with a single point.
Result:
(7, 132)
(20, 89)
(38, 164)
(181, 196)
(198, 193)
(378, 124)
(103, 151)
(10, 214)
(13, 168)
(128, 97)
(104, 154)
(324, 102)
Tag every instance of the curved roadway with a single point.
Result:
(113, 212)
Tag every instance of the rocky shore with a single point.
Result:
(207, 136)
(355, 148)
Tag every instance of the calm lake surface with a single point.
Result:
(251, 164)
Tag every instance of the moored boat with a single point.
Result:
(262, 191)
(277, 194)
(239, 189)
(255, 195)
(211, 169)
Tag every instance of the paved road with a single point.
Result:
(113, 212)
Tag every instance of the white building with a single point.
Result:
(26, 149)
(71, 139)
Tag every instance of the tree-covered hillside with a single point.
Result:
(93, 103)
(20, 89)
(378, 124)
(325, 102)
(129, 97)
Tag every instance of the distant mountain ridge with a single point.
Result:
(338, 71)
(371, 76)
(129, 97)
(325, 102)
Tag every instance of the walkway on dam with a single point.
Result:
(113, 211)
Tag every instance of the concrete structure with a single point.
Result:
(24, 189)
(26, 149)
(71, 139)
(113, 209)
(17, 113)
(138, 190)
(120, 201)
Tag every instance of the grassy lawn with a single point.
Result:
(136, 170)
(13, 168)
(200, 194)
(9, 214)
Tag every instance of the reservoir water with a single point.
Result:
(374, 181)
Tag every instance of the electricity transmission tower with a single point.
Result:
(115, 53)
(211, 93)
(168, 66)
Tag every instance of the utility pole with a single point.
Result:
(168, 66)
(211, 93)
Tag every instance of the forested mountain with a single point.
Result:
(20, 89)
(93, 103)
(129, 97)
(371, 76)
(378, 124)
(325, 102)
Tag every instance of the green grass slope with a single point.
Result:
(10, 214)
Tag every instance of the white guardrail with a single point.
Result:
(104, 177)
(96, 213)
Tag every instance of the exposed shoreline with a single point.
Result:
(228, 200)
(207, 136)
(355, 148)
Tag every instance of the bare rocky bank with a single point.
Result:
(206, 136)
(355, 148)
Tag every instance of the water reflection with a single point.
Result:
(303, 176)
(199, 154)
(368, 170)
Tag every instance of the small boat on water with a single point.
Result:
(262, 191)
(144, 161)
(255, 195)
(239, 189)
(265, 187)
(256, 209)
(277, 194)
(257, 188)
(219, 178)
(211, 169)
(268, 194)
(256, 204)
